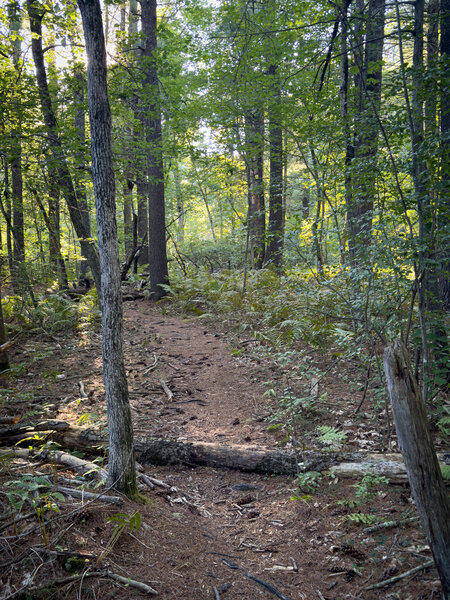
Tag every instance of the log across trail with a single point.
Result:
(245, 458)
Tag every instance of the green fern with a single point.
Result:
(331, 435)
(361, 519)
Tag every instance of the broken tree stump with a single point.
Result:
(425, 478)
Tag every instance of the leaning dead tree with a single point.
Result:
(425, 478)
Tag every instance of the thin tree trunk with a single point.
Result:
(180, 203)
(142, 219)
(156, 207)
(62, 172)
(121, 464)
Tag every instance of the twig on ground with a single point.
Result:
(166, 389)
(82, 390)
(148, 369)
(216, 593)
(382, 584)
(268, 586)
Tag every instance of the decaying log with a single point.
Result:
(425, 478)
(232, 456)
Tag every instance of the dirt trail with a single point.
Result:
(215, 396)
(221, 535)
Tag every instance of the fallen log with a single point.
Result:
(255, 459)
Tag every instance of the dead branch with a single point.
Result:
(83, 495)
(382, 584)
(166, 389)
(389, 525)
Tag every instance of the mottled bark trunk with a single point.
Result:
(275, 230)
(62, 172)
(254, 162)
(128, 215)
(121, 464)
(156, 206)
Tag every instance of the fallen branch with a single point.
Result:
(34, 591)
(166, 389)
(83, 495)
(267, 586)
(389, 525)
(143, 587)
(386, 582)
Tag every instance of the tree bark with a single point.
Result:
(360, 204)
(156, 206)
(16, 145)
(254, 163)
(424, 474)
(62, 172)
(121, 464)
(4, 361)
(275, 230)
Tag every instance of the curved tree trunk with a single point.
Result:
(121, 470)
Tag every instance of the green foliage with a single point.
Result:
(36, 491)
(331, 436)
(369, 487)
(445, 471)
(309, 481)
(361, 519)
(121, 522)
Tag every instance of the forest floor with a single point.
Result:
(222, 534)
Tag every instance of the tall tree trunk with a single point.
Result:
(80, 129)
(360, 208)
(254, 162)
(275, 231)
(16, 145)
(156, 206)
(121, 464)
(62, 172)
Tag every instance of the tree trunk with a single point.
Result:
(4, 362)
(62, 172)
(360, 204)
(16, 145)
(156, 207)
(425, 478)
(254, 162)
(180, 203)
(121, 464)
(274, 250)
